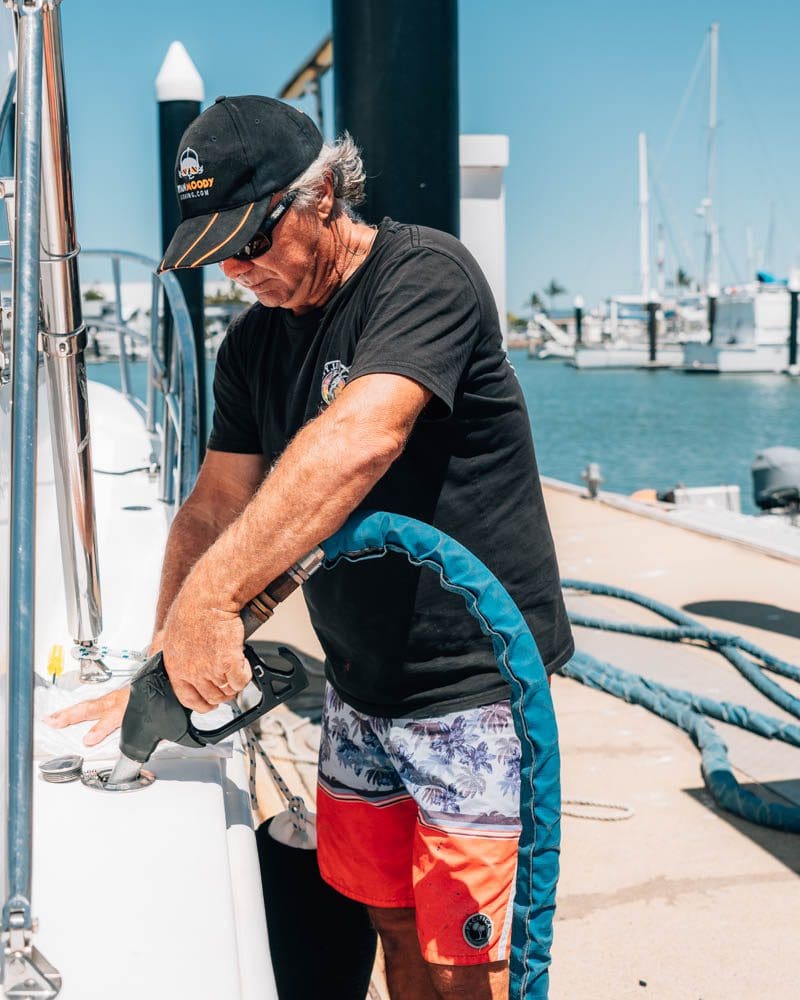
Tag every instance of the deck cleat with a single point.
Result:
(92, 670)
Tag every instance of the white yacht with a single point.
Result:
(751, 332)
(156, 892)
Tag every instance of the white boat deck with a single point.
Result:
(156, 892)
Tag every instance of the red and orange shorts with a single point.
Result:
(424, 813)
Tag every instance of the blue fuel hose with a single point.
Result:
(690, 711)
(371, 535)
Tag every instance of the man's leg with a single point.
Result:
(410, 977)
(366, 823)
(470, 982)
(418, 819)
(462, 770)
(406, 971)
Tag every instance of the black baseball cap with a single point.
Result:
(231, 161)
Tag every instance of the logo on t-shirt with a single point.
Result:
(334, 379)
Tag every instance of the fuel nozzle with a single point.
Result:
(154, 712)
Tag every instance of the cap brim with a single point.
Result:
(211, 238)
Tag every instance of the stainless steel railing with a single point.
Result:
(20, 956)
(171, 404)
(46, 299)
(63, 339)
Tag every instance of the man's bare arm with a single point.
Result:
(325, 472)
(225, 485)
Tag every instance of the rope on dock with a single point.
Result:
(691, 711)
(615, 812)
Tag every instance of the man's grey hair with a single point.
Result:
(340, 160)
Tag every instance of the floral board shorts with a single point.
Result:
(424, 813)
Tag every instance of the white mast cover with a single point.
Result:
(178, 79)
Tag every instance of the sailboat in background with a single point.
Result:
(636, 332)
(749, 327)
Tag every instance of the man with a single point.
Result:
(370, 374)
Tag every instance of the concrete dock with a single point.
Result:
(681, 901)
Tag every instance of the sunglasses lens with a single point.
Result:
(262, 241)
(259, 244)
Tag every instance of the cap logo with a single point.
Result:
(190, 168)
(189, 164)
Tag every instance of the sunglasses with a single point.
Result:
(258, 244)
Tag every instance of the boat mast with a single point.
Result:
(712, 236)
(644, 221)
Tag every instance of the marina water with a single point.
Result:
(645, 428)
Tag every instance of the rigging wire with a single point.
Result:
(122, 472)
(771, 174)
(676, 121)
(737, 274)
(682, 251)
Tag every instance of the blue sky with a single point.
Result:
(570, 81)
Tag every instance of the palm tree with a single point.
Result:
(682, 279)
(233, 294)
(553, 291)
(517, 323)
(534, 303)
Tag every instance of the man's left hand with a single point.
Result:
(202, 647)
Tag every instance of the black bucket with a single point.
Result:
(322, 944)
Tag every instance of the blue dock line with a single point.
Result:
(368, 536)
(691, 711)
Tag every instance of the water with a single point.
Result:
(645, 428)
(656, 428)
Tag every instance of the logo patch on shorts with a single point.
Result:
(477, 930)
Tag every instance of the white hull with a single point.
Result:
(751, 333)
(551, 351)
(154, 893)
(670, 356)
(732, 358)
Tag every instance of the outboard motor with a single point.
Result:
(776, 479)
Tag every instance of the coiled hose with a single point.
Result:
(692, 711)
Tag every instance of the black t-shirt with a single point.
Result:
(397, 643)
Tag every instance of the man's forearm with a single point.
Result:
(306, 498)
(191, 533)
(324, 474)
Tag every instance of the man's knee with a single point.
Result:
(488, 981)
(396, 925)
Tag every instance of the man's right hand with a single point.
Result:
(108, 711)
